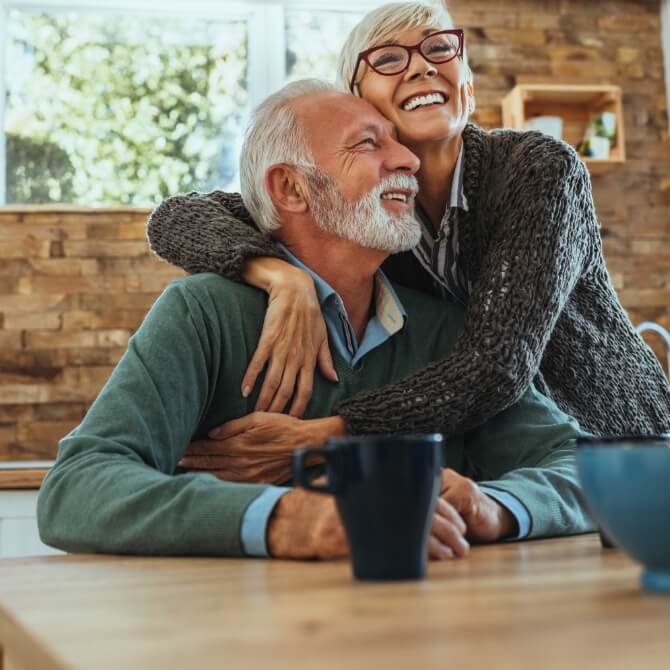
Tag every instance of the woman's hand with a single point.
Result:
(294, 338)
(258, 448)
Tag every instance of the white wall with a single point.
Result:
(18, 525)
(665, 34)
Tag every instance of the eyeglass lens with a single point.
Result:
(391, 59)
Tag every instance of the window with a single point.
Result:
(115, 103)
(314, 40)
(115, 110)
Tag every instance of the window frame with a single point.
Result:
(266, 64)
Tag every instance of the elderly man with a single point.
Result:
(337, 191)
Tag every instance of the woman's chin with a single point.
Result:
(412, 134)
(428, 125)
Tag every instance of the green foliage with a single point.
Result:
(38, 172)
(315, 40)
(122, 110)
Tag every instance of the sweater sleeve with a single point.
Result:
(539, 249)
(207, 232)
(113, 488)
(528, 451)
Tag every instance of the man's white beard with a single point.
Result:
(365, 221)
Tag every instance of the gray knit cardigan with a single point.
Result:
(542, 307)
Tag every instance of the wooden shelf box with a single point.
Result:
(577, 105)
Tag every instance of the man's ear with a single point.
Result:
(287, 188)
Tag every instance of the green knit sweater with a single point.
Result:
(114, 487)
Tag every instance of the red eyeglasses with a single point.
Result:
(391, 59)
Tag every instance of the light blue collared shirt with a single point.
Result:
(253, 532)
(514, 505)
(389, 315)
(388, 319)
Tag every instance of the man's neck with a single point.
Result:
(435, 181)
(346, 266)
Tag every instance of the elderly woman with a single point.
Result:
(509, 230)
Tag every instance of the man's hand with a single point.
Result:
(447, 535)
(258, 447)
(486, 519)
(306, 525)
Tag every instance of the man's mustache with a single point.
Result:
(400, 182)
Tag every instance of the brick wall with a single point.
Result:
(74, 284)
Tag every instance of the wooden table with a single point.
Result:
(561, 603)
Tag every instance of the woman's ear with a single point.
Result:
(286, 187)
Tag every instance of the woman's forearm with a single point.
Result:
(207, 232)
(273, 274)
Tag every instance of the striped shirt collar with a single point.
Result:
(438, 251)
(389, 315)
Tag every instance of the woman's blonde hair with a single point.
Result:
(383, 24)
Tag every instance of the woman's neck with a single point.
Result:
(438, 164)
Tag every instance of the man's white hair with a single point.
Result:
(274, 135)
(384, 24)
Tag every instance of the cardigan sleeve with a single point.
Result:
(207, 232)
(538, 251)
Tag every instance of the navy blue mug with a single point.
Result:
(386, 489)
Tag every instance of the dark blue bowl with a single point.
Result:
(626, 482)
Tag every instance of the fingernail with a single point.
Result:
(246, 391)
(213, 434)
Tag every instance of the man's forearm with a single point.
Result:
(101, 502)
(551, 493)
(112, 488)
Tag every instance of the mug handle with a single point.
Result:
(305, 479)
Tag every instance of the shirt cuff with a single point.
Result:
(255, 521)
(512, 504)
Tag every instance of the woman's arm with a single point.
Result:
(538, 252)
(294, 337)
(207, 232)
(214, 232)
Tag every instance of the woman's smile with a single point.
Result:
(424, 100)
